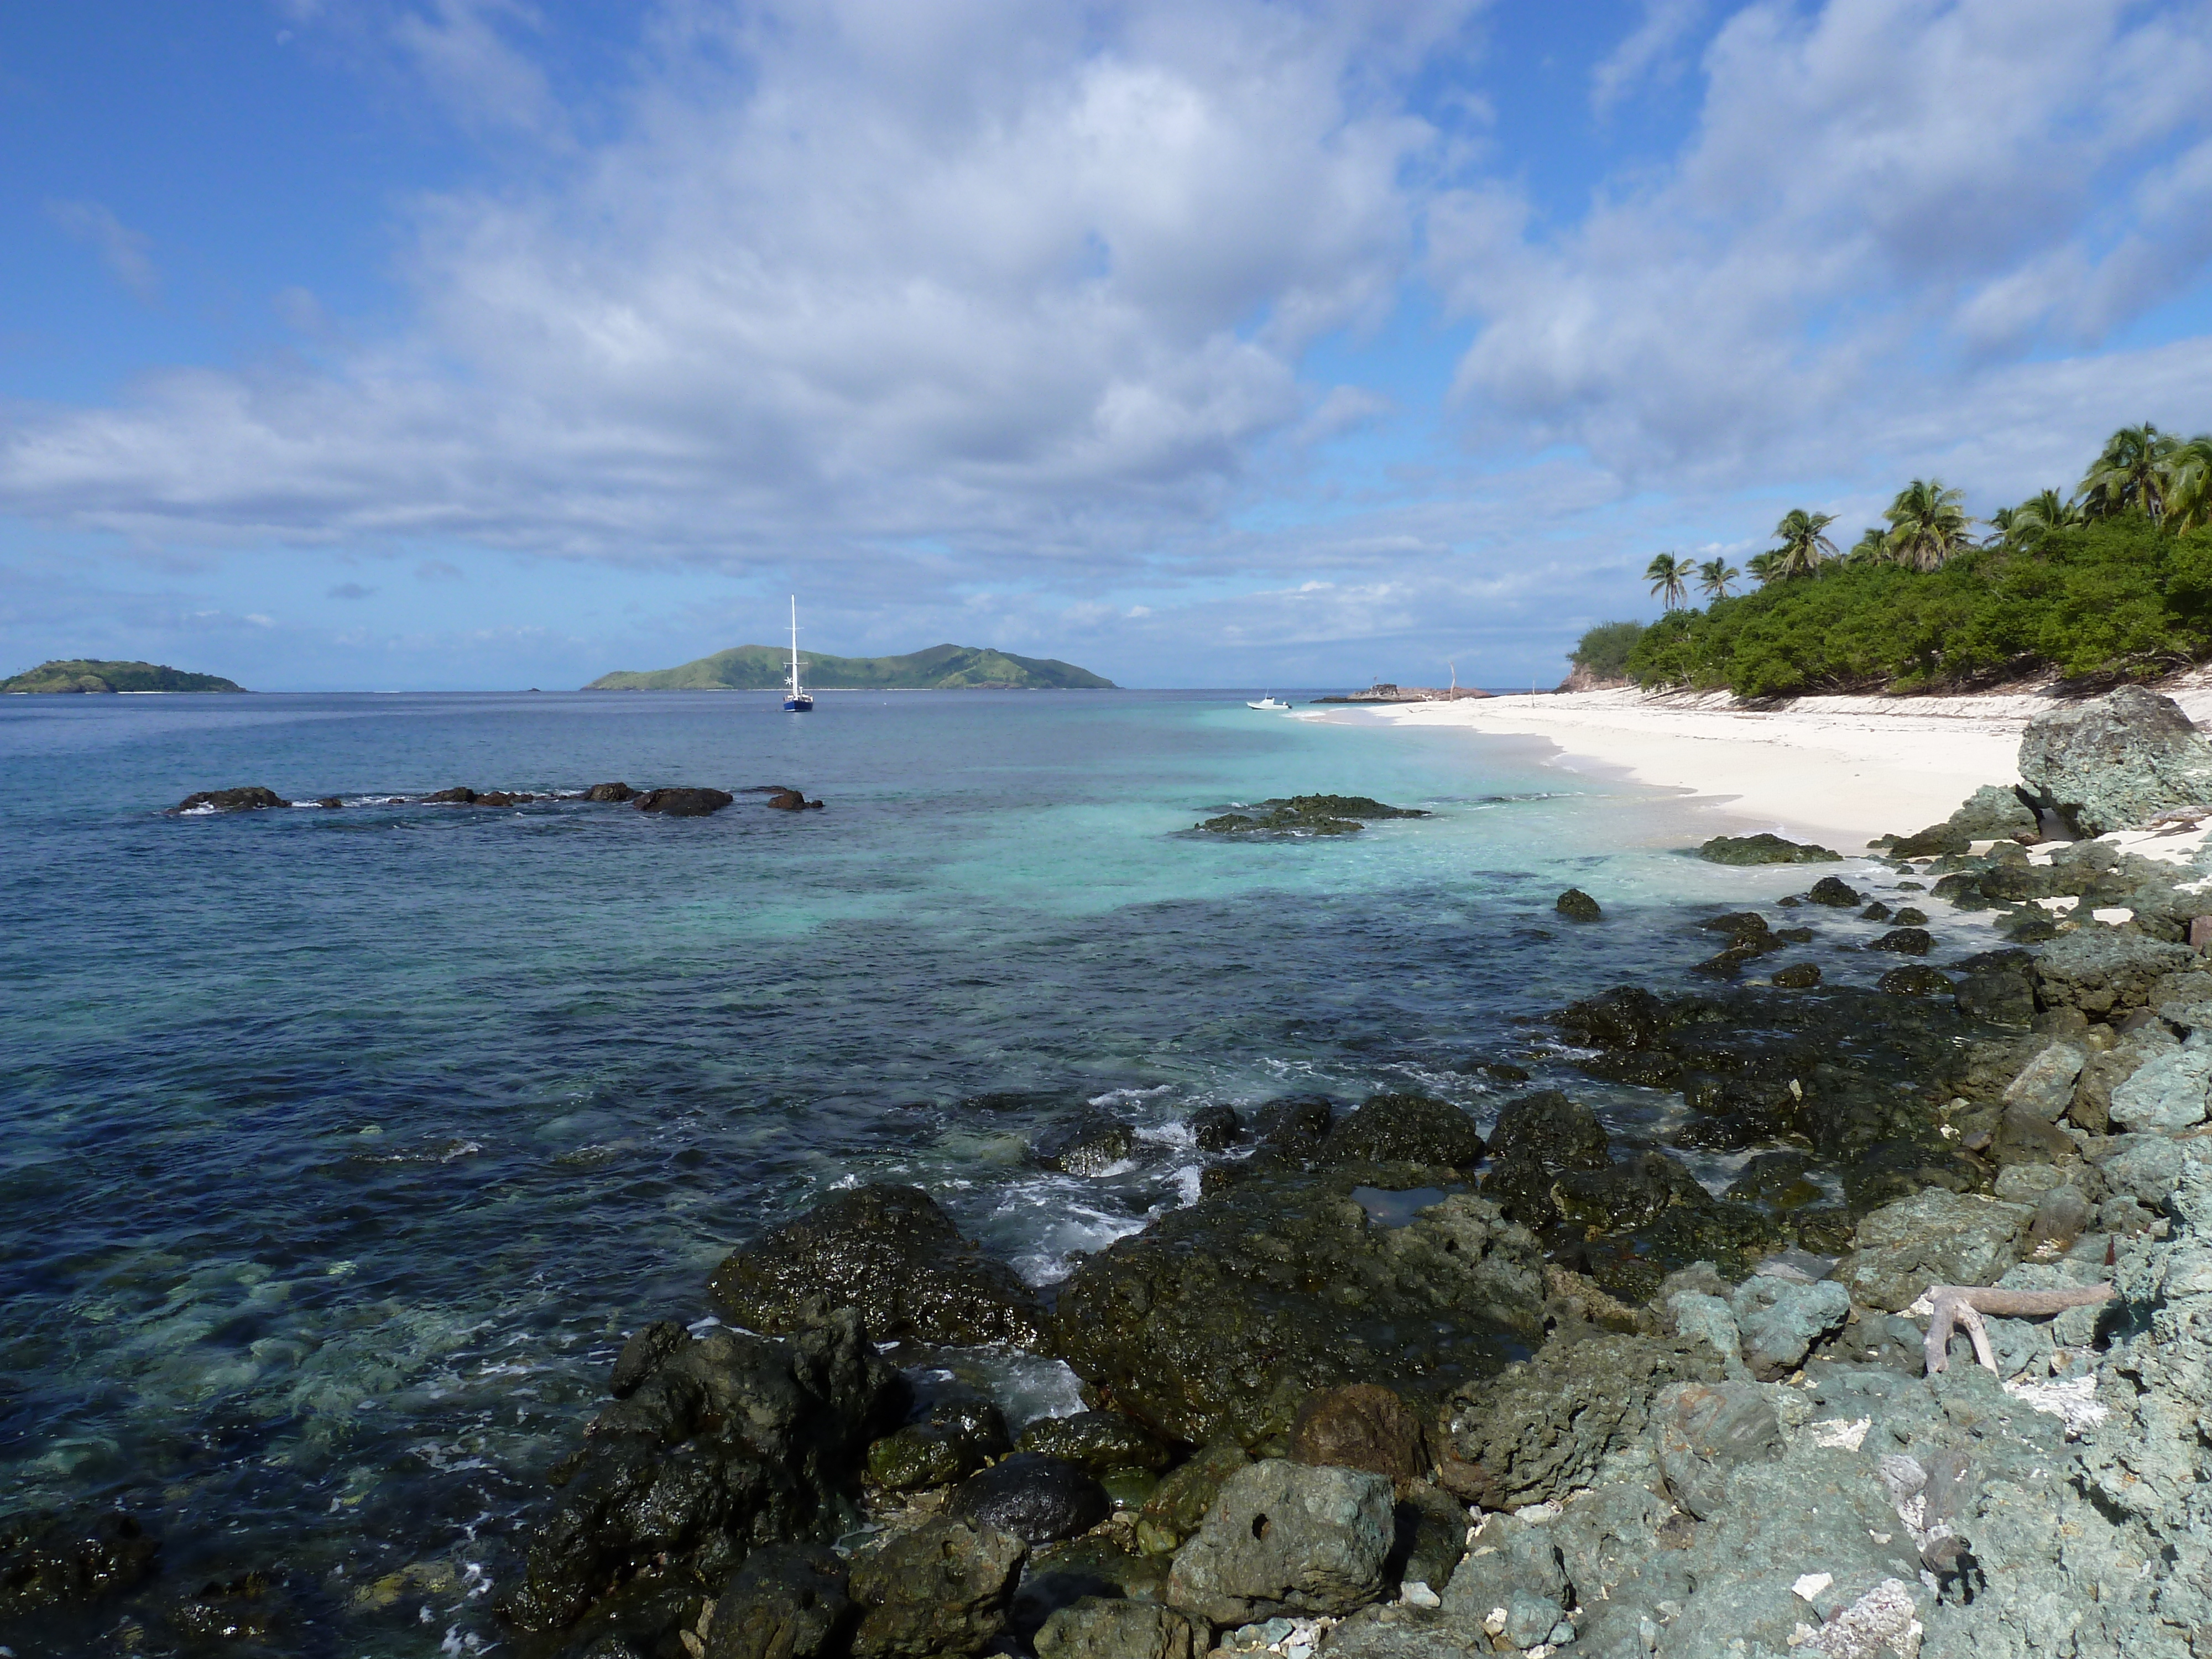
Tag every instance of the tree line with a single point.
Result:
(2114, 579)
(2141, 470)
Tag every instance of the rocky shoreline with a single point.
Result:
(1925, 1378)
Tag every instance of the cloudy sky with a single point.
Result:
(456, 343)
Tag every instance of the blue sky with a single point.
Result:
(460, 343)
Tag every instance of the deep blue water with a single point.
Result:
(343, 1147)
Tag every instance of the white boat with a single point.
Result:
(1267, 702)
(798, 702)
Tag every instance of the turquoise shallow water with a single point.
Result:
(343, 1147)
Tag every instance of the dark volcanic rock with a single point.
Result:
(458, 797)
(1539, 1137)
(1836, 891)
(1101, 1442)
(1576, 905)
(608, 792)
(2115, 761)
(1907, 941)
(1213, 1128)
(1916, 981)
(1797, 976)
(1090, 1146)
(734, 1442)
(897, 1256)
(791, 1602)
(790, 800)
(244, 1608)
(1222, 1318)
(643, 1354)
(1405, 1129)
(1307, 815)
(1765, 848)
(684, 803)
(957, 1432)
(1038, 1499)
(941, 1588)
(1293, 1128)
(48, 1559)
(1626, 1016)
(251, 798)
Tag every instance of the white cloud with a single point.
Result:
(121, 249)
(1028, 278)
(1877, 199)
(995, 316)
(1648, 50)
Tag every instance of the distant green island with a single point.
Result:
(940, 668)
(86, 674)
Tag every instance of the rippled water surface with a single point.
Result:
(343, 1146)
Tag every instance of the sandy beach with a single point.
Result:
(1839, 770)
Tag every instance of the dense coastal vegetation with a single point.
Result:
(90, 675)
(2113, 582)
(940, 668)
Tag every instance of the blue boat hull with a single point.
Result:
(797, 705)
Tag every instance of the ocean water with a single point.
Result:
(343, 1147)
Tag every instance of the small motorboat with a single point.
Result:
(1268, 702)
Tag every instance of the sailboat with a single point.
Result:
(799, 701)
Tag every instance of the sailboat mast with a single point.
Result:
(794, 645)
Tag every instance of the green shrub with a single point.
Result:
(2116, 598)
(1604, 650)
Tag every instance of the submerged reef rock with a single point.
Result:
(2115, 761)
(48, 1559)
(1576, 905)
(897, 1256)
(1405, 1128)
(732, 1442)
(1765, 848)
(249, 798)
(1219, 1320)
(1307, 815)
(683, 803)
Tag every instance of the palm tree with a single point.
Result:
(2189, 503)
(1714, 577)
(2027, 524)
(1871, 548)
(1803, 545)
(1764, 567)
(1669, 575)
(2135, 473)
(1927, 524)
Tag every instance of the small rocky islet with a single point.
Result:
(1926, 1378)
(678, 801)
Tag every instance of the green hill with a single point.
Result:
(940, 668)
(83, 674)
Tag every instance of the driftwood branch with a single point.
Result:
(1952, 1305)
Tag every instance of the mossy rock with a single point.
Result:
(1765, 848)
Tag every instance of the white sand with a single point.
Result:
(1837, 770)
